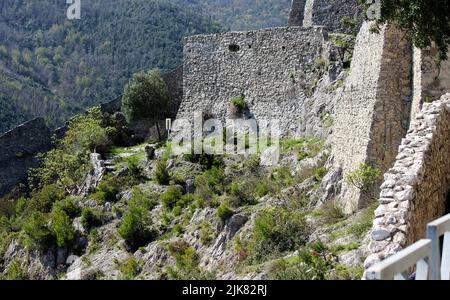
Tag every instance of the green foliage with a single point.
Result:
(307, 147)
(136, 226)
(91, 218)
(70, 206)
(424, 21)
(240, 104)
(313, 262)
(364, 177)
(145, 97)
(162, 175)
(320, 173)
(43, 200)
(86, 132)
(187, 263)
(58, 68)
(129, 269)
(211, 183)
(177, 229)
(224, 212)
(278, 230)
(243, 192)
(16, 271)
(61, 225)
(69, 162)
(172, 196)
(207, 234)
(105, 193)
(207, 161)
(37, 231)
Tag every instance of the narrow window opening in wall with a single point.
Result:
(234, 48)
(284, 47)
(249, 46)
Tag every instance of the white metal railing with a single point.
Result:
(440, 268)
(396, 266)
(430, 257)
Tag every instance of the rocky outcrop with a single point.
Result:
(415, 190)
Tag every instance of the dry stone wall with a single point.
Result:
(272, 68)
(18, 148)
(416, 189)
(373, 115)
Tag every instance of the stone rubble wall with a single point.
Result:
(272, 68)
(18, 148)
(373, 114)
(416, 188)
(328, 13)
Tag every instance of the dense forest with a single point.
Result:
(54, 67)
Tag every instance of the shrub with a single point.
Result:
(136, 227)
(224, 212)
(105, 193)
(70, 206)
(364, 177)
(145, 97)
(162, 175)
(279, 230)
(43, 200)
(211, 183)
(177, 229)
(38, 234)
(91, 218)
(320, 173)
(16, 271)
(172, 196)
(239, 103)
(207, 234)
(187, 263)
(62, 227)
(139, 198)
(129, 269)
(262, 189)
(243, 193)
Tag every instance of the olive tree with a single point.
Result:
(146, 98)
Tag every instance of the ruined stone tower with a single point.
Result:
(337, 15)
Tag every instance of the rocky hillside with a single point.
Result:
(139, 212)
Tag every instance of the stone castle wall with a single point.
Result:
(416, 189)
(329, 13)
(373, 114)
(18, 148)
(271, 68)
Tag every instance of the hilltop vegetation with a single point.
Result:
(53, 67)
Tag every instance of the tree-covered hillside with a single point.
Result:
(244, 14)
(53, 67)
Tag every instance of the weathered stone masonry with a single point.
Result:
(416, 188)
(271, 68)
(329, 13)
(373, 115)
(18, 148)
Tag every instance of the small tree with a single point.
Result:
(424, 21)
(146, 98)
(364, 177)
